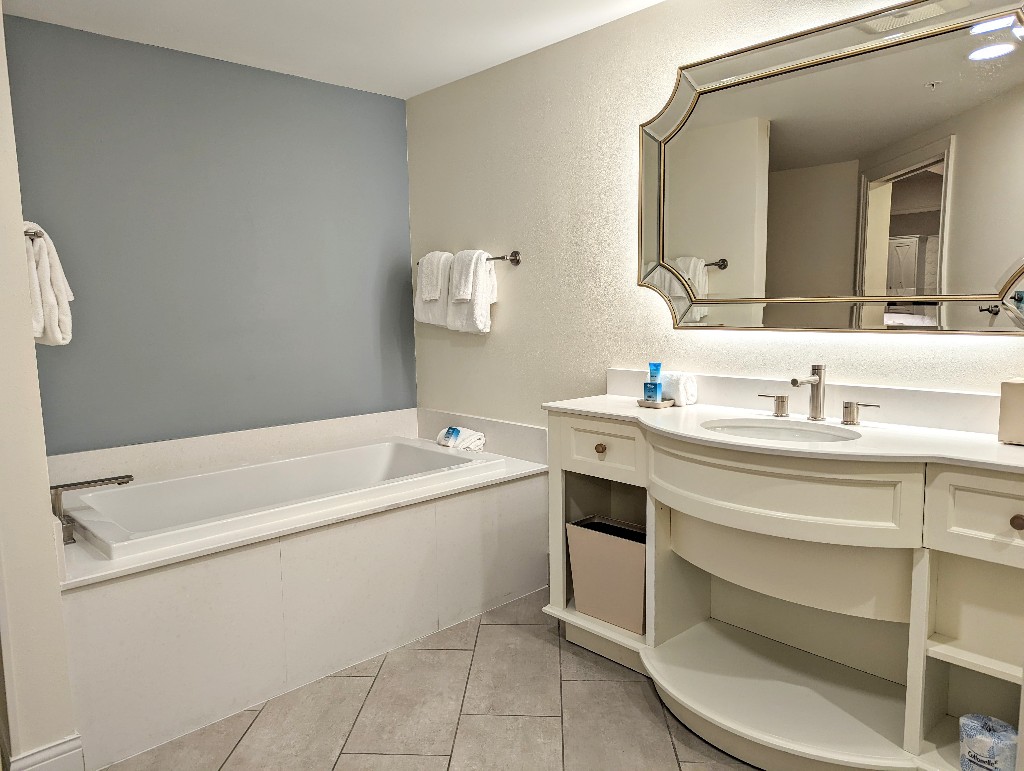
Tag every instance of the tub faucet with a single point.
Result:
(817, 383)
(67, 522)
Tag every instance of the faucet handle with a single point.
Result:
(851, 412)
(781, 404)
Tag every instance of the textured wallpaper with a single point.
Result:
(540, 154)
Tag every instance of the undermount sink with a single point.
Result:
(780, 430)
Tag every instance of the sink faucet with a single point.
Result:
(817, 383)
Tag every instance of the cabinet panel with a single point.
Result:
(838, 502)
(605, 449)
(969, 513)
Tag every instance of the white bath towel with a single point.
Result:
(696, 272)
(461, 438)
(49, 292)
(463, 272)
(474, 315)
(434, 311)
(679, 386)
(428, 276)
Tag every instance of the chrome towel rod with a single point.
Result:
(512, 258)
(721, 264)
(34, 233)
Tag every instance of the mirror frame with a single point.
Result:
(856, 302)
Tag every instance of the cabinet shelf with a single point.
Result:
(950, 650)
(603, 629)
(783, 698)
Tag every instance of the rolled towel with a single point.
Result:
(49, 292)
(679, 386)
(461, 438)
(987, 744)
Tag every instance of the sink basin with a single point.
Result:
(780, 430)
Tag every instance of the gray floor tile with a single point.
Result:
(580, 664)
(200, 750)
(525, 610)
(502, 743)
(461, 637)
(368, 668)
(305, 728)
(392, 763)
(413, 708)
(614, 726)
(515, 672)
(692, 749)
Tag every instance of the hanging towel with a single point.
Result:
(49, 292)
(473, 315)
(433, 311)
(463, 270)
(461, 438)
(428, 279)
(696, 272)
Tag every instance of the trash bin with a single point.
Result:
(607, 559)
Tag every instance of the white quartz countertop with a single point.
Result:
(878, 441)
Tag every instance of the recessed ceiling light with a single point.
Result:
(991, 52)
(992, 25)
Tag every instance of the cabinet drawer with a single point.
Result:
(604, 448)
(968, 512)
(853, 503)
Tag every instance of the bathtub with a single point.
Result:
(268, 498)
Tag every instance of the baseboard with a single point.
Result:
(65, 755)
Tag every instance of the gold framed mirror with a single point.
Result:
(863, 176)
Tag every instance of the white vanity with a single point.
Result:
(809, 605)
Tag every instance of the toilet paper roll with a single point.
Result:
(987, 744)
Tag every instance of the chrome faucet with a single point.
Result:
(817, 383)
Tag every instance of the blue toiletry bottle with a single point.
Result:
(655, 371)
(652, 388)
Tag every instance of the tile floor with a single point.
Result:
(501, 691)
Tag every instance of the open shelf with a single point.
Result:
(940, 750)
(610, 632)
(782, 697)
(952, 651)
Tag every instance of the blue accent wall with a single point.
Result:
(237, 240)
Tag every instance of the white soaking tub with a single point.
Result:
(264, 499)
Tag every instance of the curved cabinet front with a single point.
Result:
(826, 501)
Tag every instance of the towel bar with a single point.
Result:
(513, 258)
(34, 233)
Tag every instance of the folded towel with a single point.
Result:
(679, 386)
(474, 315)
(463, 271)
(428, 277)
(434, 311)
(49, 292)
(461, 438)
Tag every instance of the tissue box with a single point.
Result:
(987, 744)
(1011, 411)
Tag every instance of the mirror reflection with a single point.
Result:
(895, 173)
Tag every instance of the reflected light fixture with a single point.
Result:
(1019, 32)
(991, 52)
(984, 27)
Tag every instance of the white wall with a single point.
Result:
(540, 154)
(716, 206)
(36, 695)
(812, 242)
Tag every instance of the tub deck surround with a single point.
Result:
(219, 527)
(879, 442)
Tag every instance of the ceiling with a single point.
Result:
(396, 47)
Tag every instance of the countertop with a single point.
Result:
(878, 442)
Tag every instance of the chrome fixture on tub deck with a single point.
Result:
(817, 383)
(67, 522)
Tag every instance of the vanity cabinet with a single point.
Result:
(803, 612)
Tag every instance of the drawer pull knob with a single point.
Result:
(601, 449)
(1017, 521)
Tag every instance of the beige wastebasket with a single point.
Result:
(607, 559)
